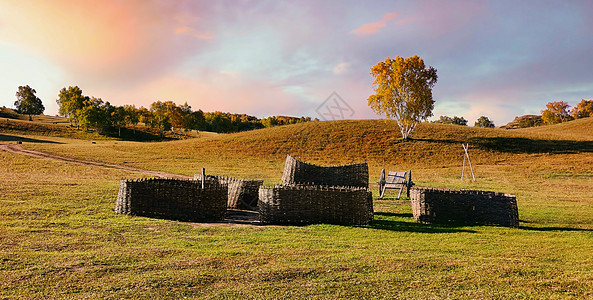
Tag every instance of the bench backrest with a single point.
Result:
(396, 178)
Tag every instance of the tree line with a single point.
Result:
(482, 121)
(560, 112)
(94, 113)
(556, 112)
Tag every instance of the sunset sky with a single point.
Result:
(500, 59)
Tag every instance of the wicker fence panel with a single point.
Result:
(299, 205)
(242, 193)
(468, 207)
(297, 172)
(172, 199)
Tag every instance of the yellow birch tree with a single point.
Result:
(403, 91)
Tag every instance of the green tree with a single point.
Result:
(132, 116)
(459, 121)
(270, 121)
(484, 122)
(71, 102)
(583, 109)
(454, 121)
(219, 122)
(160, 116)
(27, 103)
(403, 91)
(444, 120)
(195, 120)
(144, 116)
(180, 115)
(118, 118)
(556, 112)
(93, 114)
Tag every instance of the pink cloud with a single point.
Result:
(193, 32)
(372, 28)
(114, 42)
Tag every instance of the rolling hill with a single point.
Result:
(261, 153)
(379, 141)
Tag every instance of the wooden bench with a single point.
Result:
(395, 180)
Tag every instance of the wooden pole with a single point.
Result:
(465, 149)
(382, 184)
(203, 178)
(463, 168)
(470, 163)
(409, 184)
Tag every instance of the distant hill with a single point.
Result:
(43, 125)
(525, 121)
(9, 113)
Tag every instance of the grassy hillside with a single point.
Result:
(60, 127)
(579, 130)
(61, 239)
(41, 125)
(261, 152)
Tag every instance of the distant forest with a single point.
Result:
(94, 113)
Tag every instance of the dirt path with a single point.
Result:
(18, 149)
(233, 217)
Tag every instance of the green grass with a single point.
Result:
(60, 238)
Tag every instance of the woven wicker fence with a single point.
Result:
(297, 172)
(242, 193)
(172, 199)
(298, 205)
(467, 207)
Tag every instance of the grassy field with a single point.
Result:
(61, 239)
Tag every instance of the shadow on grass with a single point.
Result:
(391, 195)
(554, 229)
(12, 138)
(388, 214)
(524, 145)
(404, 226)
(442, 141)
(518, 145)
(138, 135)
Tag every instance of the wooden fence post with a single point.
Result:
(203, 178)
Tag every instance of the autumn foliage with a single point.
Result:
(403, 91)
(94, 113)
(556, 112)
(584, 109)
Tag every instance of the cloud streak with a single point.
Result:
(375, 27)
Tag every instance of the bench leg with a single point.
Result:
(408, 187)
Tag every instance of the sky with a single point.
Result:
(499, 59)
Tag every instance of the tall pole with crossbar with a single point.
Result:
(466, 155)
